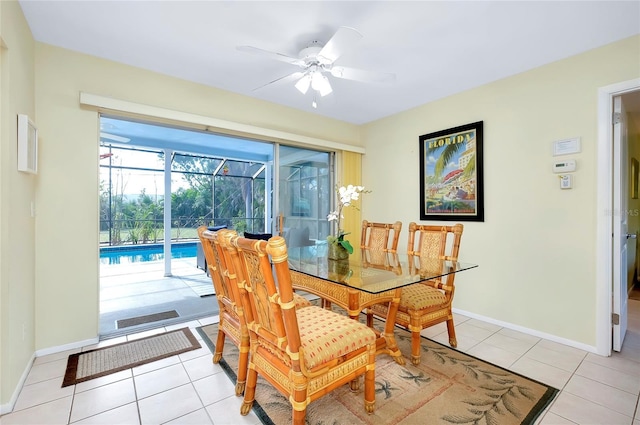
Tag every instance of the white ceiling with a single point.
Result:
(435, 48)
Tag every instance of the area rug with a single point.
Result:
(448, 387)
(149, 318)
(114, 358)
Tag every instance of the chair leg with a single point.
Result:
(298, 417)
(219, 346)
(354, 385)
(326, 304)
(249, 391)
(369, 318)
(243, 364)
(299, 404)
(370, 390)
(452, 333)
(415, 347)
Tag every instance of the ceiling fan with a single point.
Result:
(316, 60)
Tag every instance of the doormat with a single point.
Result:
(114, 358)
(447, 387)
(203, 287)
(139, 320)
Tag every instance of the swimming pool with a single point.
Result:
(146, 252)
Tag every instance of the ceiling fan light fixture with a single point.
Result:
(320, 83)
(316, 80)
(317, 59)
(325, 89)
(303, 84)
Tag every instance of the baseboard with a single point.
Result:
(8, 408)
(532, 332)
(71, 346)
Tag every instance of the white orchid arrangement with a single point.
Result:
(346, 195)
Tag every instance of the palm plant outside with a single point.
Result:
(239, 202)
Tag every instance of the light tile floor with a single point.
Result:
(139, 289)
(190, 389)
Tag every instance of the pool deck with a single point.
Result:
(140, 289)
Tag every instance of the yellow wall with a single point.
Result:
(536, 247)
(17, 190)
(351, 174)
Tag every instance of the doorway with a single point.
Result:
(607, 306)
(630, 102)
(159, 183)
(304, 195)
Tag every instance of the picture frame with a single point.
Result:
(634, 178)
(27, 145)
(451, 174)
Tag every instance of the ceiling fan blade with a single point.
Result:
(362, 75)
(289, 77)
(270, 55)
(344, 39)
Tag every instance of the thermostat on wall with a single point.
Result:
(564, 166)
(567, 146)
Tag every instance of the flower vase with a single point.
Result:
(339, 268)
(337, 252)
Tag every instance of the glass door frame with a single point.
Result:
(285, 215)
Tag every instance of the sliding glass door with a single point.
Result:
(304, 195)
(158, 183)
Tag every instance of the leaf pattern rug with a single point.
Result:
(448, 387)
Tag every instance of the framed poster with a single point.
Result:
(451, 185)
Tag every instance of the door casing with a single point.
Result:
(604, 222)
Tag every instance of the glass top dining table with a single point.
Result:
(367, 277)
(373, 272)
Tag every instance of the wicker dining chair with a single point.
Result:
(381, 260)
(379, 245)
(231, 317)
(377, 241)
(232, 322)
(380, 236)
(304, 353)
(427, 303)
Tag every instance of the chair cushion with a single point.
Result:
(421, 297)
(216, 228)
(261, 236)
(326, 335)
(300, 301)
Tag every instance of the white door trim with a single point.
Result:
(110, 105)
(604, 202)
